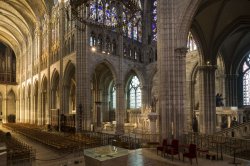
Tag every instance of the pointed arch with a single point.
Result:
(138, 73)
(55, 90)
(11, 106)
(133, 90)
(69, 89)
(109, 65)
(68, 72)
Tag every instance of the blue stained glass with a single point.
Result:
(154, 20)
(155, 3)
(100, 11)
(139, 31)
(154, 11)
(113, 16)
(246, 82)
(129, 30)
(93, 11)
(135, 32)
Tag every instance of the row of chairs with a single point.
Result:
(53, 140)
(61, 142)
(173, 149)
(16, 149)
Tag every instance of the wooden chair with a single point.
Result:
(173, 149)
(191, 153)
(162, 147)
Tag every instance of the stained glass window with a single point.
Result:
(191, 43)
(100, 11)
(93, 10)
(113, 16)
(92, 40)
(134, 93)
(246, 81)
(135, 30)
(107, 14)
(112, 96)
(154, 20)
(129, 30)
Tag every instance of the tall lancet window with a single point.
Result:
(191, 45)
(134, 93)
(246, 81)
(112, 96)
(154, 20)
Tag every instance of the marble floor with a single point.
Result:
(139, 157)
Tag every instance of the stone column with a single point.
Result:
(152, 116)
(171, 67)
(4, 106)
(48, 106)
(228, 121)
(231, 90)
(61, 55)
(219, 119)
(189, 105)
(145, 96)
(207, 99)
(120, 110)
(83, 90)
(120, 91)
(17, 109)
(39, 52)
(26, 87)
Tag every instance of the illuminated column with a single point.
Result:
(39, 53)
(48, 111)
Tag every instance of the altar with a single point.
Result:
(106, 156)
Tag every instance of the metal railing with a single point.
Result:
(209, 142)
(239, 131)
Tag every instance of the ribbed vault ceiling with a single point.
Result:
(18, 19)
(223, 26)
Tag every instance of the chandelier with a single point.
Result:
(132, 8)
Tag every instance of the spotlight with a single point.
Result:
(93, 49)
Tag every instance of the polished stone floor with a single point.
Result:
(139, 157)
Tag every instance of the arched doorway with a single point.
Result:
(103, 95)
(55, 102)
(11, 107)
(69, 104)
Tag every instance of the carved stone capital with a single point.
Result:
(181, 51)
